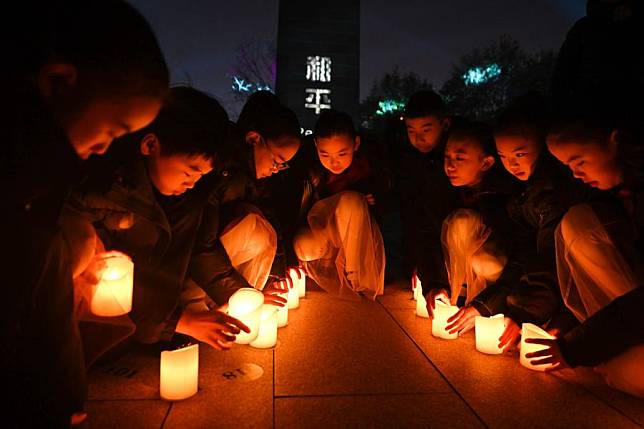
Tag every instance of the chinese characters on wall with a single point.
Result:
(318, 69)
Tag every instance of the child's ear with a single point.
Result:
(253, 138)
(56, 79)
(488, 162)
(356, 144)
(150, 145)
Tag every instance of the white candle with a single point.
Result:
(179, 373)
(442, 312)
(267, 336)
(282, 313)
(298, 283)
(418, 289)
(421, 305)
(246, 305)
(528, 330)
(112, 296)
(293, 298)
(488, 330)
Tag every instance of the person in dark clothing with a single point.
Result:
(184, 251)
(340, 246)
(476, 235)
(600, 250)
(426, 196)
(527, 290)
(71, 92)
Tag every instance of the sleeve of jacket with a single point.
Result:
(210, 267)
(609, 332)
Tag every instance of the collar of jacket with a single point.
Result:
(133, 190)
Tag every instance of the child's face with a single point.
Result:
(336, 152)
(425, 133)
(92, 128)
(272, 156)
(465, 162)
(175, 174)
(593, 163)
(519, 154)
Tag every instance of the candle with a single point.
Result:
(421, 304)
(179, 373)
(293, 298)
(112, 296)
(488, 330)
(298, 283)
(246, 305)
(282, 313)
(442, 312)
(267, 335)
(528, 330)
(418, 289)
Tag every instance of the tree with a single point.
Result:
(484, 80)
(254, 68)
(388, 95)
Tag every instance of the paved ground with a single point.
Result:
(364, 364)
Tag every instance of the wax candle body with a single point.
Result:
(246, 305)
(267, 336)
(418, 289)
(298, 283)
(112, 296)
(421, 305)
(293, 298)
(282, 313)
(528, 330)
(442, 312)
(488, 330)
(179, 373)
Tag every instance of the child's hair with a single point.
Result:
(191, 123)
(526, 116)
(580, 128)
(109, 42)
(333, 122)
(264, 114)
(425, 103)
(478, 132)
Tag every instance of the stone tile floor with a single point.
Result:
(357, 364)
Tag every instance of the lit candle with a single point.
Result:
(298, 283)
(179, 373)
(418, 289)
(112, 296)
(421, 305)
(267, 335)
(282, 313)
(442, 312)
(528, 330)
(488, 330)
(246, 305)
(293, 298)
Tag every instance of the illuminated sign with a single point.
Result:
(318, 69)
(318, 99)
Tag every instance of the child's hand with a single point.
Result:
(273, 292)
(432, 296)
(550, 355)
(511, 336)
(210, 326)
(371, 200)
(462, 321)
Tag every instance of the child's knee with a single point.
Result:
(351, 202)
(577, 222)
(307, 247)
(487, 265)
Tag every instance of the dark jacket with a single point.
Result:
(527, 290)
(42, 357)
(172, 238)
(620, 325)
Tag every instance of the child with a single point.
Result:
(530, 282)
(599, 254)
(422, 183)
(74, 88)
(180, 247)
(342, 248)
(475, 236)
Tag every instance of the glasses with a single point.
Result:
(276, 167)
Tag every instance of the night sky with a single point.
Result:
(200, 37)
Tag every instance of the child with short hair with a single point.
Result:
(341, 247)
(85, 72)
(600, 249)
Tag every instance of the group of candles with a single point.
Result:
(488, 330)
(179, 373)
